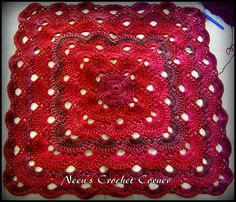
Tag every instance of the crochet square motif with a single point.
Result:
(115, 90)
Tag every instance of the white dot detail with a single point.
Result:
(68, 105)
(67, 51)
(185, 185)
(85, 116)
(90, 121)
(66, 78)
(153, 186)
(153, 23)
(113, 12)
(120, 121)
(131, 104)
(119, 185)
(127, 48)
(37, 51)
(52, 186)
(120, 152)
(200, 39)
(51, 119)
(164, 74)
(146, 63)
(85, 11)
(33, 134)
(51, 64)
(211, 88)
(14, 178)
(113, 61)
(105, 137)
(140, 11)
(68, 132)
(85, 33)
(20, 63)
(88, 152)
(167, 101)
(169, 168)
(181, 88)
(85, 186)
(18, 91)
(177, 61)
(58, 13)
(132, 77)
(199, 102)
(150, 88)
(136, 168)
(56, 152)
(199, 168)
(219, 148)
(135, 135)
(70, 169)
(73, 137)
(34, 106)
(216, 183)
(215, 118)
(83, 91)
(31, 163)
(51, 91)
(187, 145)
(135, 99)
(202, 132)
(182, 152)
(103, 169)
(152, 151)
(16, 150)
(20, 184)
(195, 74)
(153, 114)
(140, 36)
(149, 119)
(184, 117)
(166, 135)
(50, 148)
(86, 59)
(25, 39)
(206, 62)
(16, 120)
(166, 11)
(99, 47)
(34, 77)
(38, 169)
(126, 23)
(71, 22)
(105, 106)
(113, 36)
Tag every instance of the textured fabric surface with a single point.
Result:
(115, 90)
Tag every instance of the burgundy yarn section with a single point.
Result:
(115, 87)
(223, 9)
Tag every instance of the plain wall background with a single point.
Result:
(219, 41)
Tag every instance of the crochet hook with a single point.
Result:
(212, 20)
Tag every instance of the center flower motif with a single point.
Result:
(116, 89)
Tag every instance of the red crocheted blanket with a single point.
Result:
(115, 100)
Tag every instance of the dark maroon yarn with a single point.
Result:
(149, 85)
(223, 9)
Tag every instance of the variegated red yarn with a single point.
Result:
(91, 81)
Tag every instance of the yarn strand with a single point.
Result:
(228, 51)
